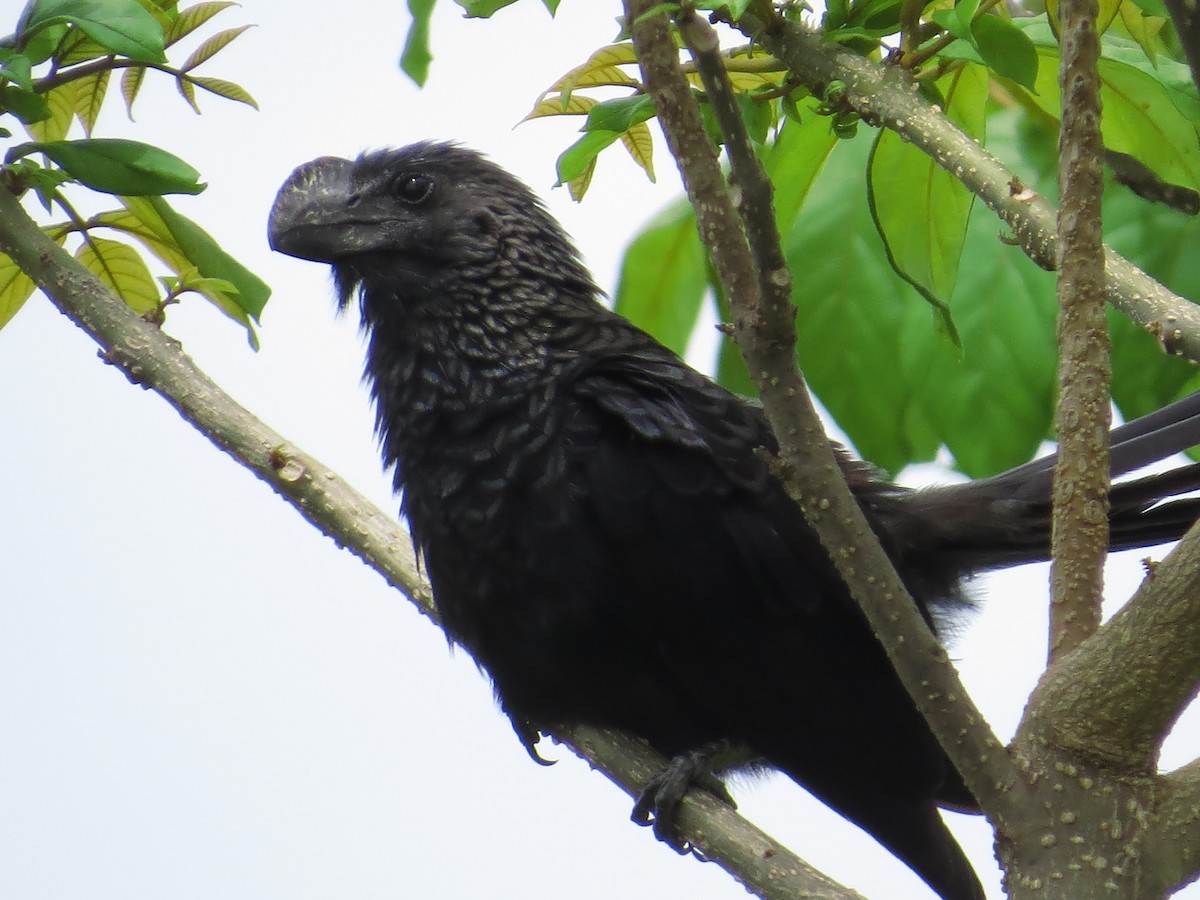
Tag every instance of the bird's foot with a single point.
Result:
(658, 804)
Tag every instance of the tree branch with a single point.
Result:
(885, 97)
(1097, 701)
(765, 324)
(1079, 535)
(1176, 846)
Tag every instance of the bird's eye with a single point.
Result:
(413, 188)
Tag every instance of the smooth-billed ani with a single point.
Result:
(600, 528)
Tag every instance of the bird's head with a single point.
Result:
(425, 216)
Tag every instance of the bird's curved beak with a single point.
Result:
(311, 211)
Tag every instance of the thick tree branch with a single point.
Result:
(153, 360)
(1079, 541)
(1114, 698)
(1177, 831)
(765, 323)
(886, 97)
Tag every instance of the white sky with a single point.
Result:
(199, 695)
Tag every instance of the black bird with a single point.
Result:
(598, 524)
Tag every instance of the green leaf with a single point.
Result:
(122, 27)
(619, 115)
(795, 160)
(16, 68)
(209, 259)
(42, 45)
(758, 116)
(1162, 241)
(25, 105)
(958, 19)
(416, 56)
(483, 9)
(847, 298)
(579, 156)
(116, 166)
(1148, 113)
(874, 353)
(1006, 49)
(122, 269)
(664, 277)
(920, 209)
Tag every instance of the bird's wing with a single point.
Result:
(719, 562)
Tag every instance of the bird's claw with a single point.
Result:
(529, 737)
(658, 804)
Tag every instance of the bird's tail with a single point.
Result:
(1004, 520)
(918, 837)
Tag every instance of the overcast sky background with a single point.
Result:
(202, 697)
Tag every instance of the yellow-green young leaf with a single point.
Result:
(131, 84)
(601, 68)
(212, 46)
(120, 268)
(1142, 28)
(187, 91)
(91, 97)
(157, 242)
(199, 283)
(81, 49)
(745, 82)
(192, 18)
(640, 144)
(212, 261)
(226, 89)
(61, 102)
(554, 106)
(142, 221)
(578, 185)
(15, 288)
(920, 210)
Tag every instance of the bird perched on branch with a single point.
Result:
(600, 527)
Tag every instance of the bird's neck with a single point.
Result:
(457, 374)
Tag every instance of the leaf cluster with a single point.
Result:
(55, 71)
